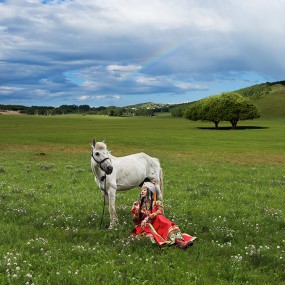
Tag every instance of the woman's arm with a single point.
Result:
(158, 209)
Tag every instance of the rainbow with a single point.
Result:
(155, 59)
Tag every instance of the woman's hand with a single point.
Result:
(136, 206)
(143, 223)
(135, 209)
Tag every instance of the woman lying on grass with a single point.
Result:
(150, 221)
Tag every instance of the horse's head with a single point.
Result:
(100, 155)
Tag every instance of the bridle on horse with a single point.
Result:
(100, 165)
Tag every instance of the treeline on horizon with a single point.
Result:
(86, 109)
(147, 109)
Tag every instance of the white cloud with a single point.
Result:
(83, 49)
(8, 89)
(100, 97)
(85, 97)
(146, 80)
(126, 68)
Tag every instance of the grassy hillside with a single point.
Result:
(268, 97)
(273, 103)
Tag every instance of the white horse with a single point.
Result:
(122, 173)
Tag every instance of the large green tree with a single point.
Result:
(236, 107)
(230, 106)
(207, 109)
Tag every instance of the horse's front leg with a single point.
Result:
(112, 208)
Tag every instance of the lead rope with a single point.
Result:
(104, 201)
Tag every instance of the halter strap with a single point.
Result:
(99, 162)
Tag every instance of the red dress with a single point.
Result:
(158, 228)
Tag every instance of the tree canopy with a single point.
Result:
(229, 106)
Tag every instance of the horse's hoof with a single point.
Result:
(113, 225)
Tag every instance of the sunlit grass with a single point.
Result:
(226, 187)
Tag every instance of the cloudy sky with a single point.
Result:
(123, 52)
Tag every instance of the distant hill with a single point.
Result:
(147, 105)
(269, 98)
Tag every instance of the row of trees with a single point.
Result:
(230, 106)
(86, 109)
(46, 110)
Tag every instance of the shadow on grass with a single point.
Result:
(230, 128)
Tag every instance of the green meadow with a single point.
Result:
(225, 187)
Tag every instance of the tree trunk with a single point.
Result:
(216, 124)
(234, 124)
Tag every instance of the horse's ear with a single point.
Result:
(94, 142)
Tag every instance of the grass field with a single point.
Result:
(225, 187)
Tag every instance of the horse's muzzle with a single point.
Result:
(109, 169)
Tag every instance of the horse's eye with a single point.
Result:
(97, 153)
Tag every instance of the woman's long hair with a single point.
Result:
(149, 193)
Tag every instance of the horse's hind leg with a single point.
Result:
(158, 186)
(159, 192)
(112, 208)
